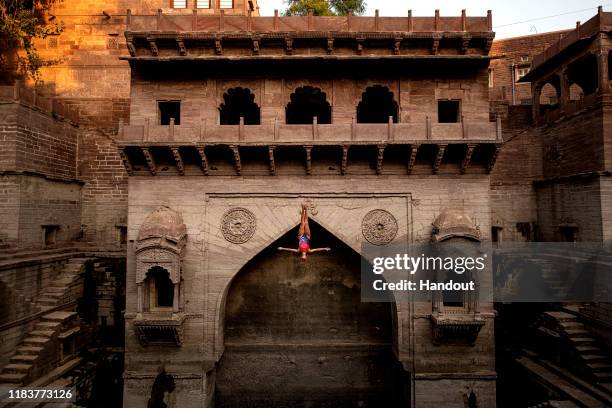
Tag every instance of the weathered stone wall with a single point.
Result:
(519, 164)
(200, 100)
(211, 262)
(34, 141)
(105, 189)
(21, 283)
(573, 203)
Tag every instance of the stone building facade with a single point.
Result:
(171, 150)
(300, 114)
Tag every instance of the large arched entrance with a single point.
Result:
(297, 334)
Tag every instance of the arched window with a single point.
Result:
(377, 105)
(306, 103)
(575, 92)
(239, 102)
(161, 288)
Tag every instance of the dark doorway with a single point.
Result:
(306, 103)
(239, 102)
(298, 335)
(377, 105)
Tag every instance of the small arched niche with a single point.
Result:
(239, 103)
(159, 250)
(377, 106)
(307, 103)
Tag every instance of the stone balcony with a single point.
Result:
(178, 150)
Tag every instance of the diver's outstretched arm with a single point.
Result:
(320, 250)
(288, 249)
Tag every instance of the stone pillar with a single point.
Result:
(564, 86)
(139, 305)
(602, 62)
(535, 100)
(175, 299)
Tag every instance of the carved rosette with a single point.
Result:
(379, 227)
(238, 225)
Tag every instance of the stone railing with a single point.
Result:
(32, 98)
(222, 22)
(600, 22)
(275, 132)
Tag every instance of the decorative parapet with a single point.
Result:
(207, 37)
(153, 329)
(456, 328)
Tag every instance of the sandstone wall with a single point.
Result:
(211, 262)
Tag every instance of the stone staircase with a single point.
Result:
(594, 362)
(66, 288)
(38, 353)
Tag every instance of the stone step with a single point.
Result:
(42, 333)
(47, 325)
(594, 358)
(12, 378)
(17, 368)
(582, 341)
(24, 358)
(31, 350)
(561, 316)
(600, 367)
(47, 303)
(35, 341)
(571, 325)
(59, 316)
(586, 350)
(53, 289)
(572, 333)
(603, 377)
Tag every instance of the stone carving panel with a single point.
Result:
(238, 225)
(379, 227)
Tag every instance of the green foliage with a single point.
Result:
(342, 7)
(21, 22)
(324, 7)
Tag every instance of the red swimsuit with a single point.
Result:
(304, 244)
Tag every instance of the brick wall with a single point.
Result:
(105, 190)
(519, 163)
(575, 202)
(509, 51)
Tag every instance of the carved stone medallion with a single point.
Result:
(379, 227)
(238, 225)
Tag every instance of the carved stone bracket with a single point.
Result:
(467, 158)
(462, 329)
(126, 162)
(179, 160)
(156, 329)
(344, 165)
(380, 158)
(150, 161)
(439, 157)
(414, 149)
(204, 160)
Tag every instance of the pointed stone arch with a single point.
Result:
(293, 288)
